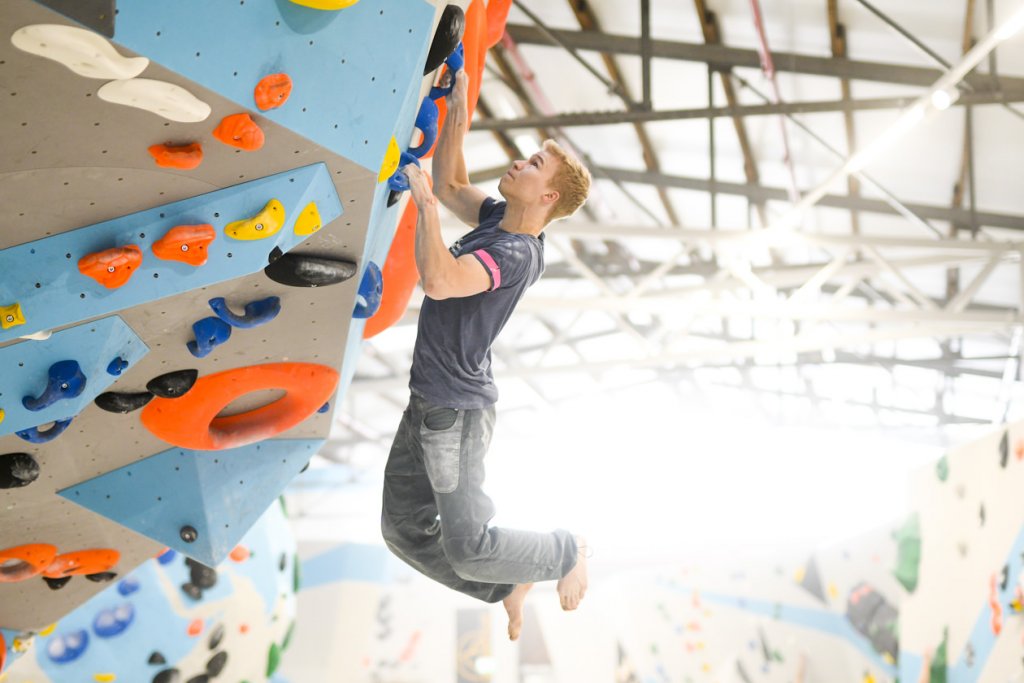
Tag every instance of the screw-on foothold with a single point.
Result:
(188, 534)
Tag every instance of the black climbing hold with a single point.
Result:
(101, 577)
(216, 636)
(202, 576)
(124, 403)
(217, 664)
(446, 38)
(201, 678)
(282, 563)
(188, 534)
(275, 254)
(157, 658)
(56, 584)
(1004, 449)
(981, 514)
(192, 591)
(1004, 577)
(173, 384)
(393, 197)
(17, 470)
(297, 270)
(167, 676)
(304, 468)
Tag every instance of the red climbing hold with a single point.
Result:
(113, 267)
(195, 628)
(244, 628)
(185, 157)
(185, 243)
(239, 554)
(238, 130)
(272, 91)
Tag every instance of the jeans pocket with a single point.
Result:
(441, 438)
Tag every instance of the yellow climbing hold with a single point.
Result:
(104, 678)
(308, 221)
(264, 224)
(11, 316)
(868, 678)
(799, 574)
(390, 163)
(20, 645)
(326, 4)
(833, 592)
(2, 414)
(48, 630)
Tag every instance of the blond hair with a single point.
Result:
(571, 181)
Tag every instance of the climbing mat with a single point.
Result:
(194, 209)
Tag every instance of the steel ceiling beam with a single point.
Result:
(729, 57)
(605, 118)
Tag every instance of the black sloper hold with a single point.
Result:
(56, 584)
(174, 384)
(192, 591)
(202, 576)
(124, 403)
(393, 197)
(216, 636)
(216, 664)
(101, 577)
(446, 37)
(297, 270)
(167, 676)
(17, 470)
(275, 254)
(157, 658)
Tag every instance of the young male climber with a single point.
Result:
(436, 515)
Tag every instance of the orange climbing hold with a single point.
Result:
(185, 243)
(238, 130)
(192, 421)
(112, 267)
(239, 554)
(185, 157)
(25, 561)
(243, 629)
(272, 91)
(195, 628)
(82, 562)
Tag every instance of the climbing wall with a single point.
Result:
(174, 619)
(193, 212)
(965, 609)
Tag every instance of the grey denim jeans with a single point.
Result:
(436, 514)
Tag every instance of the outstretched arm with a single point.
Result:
(451, 180)
(443, 276)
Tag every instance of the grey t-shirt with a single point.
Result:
(451, 363)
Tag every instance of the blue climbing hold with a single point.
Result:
(67, 647)
(256, 312)
(324, 408)
(371, 289)
(117, 366)
(65, 381)
(167, 557)
(33, 435)
(210, 333)
(426, 121)
(128, 585)
(398, 180)
(456, 60)
(112, 622)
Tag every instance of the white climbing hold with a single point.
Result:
(84, 52)
(160, 97)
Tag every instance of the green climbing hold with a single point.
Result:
(288, 636)
(942, 468)
(284, 506)
(296, 574)
(939, 669)
(273, 659)
(908, 559)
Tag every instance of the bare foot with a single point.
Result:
(573, 586)
(514, 606)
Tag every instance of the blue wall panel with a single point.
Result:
(219, 494)
(352, 69)
(26, 365)
(43, 275)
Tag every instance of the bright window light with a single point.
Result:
(1010, 28)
